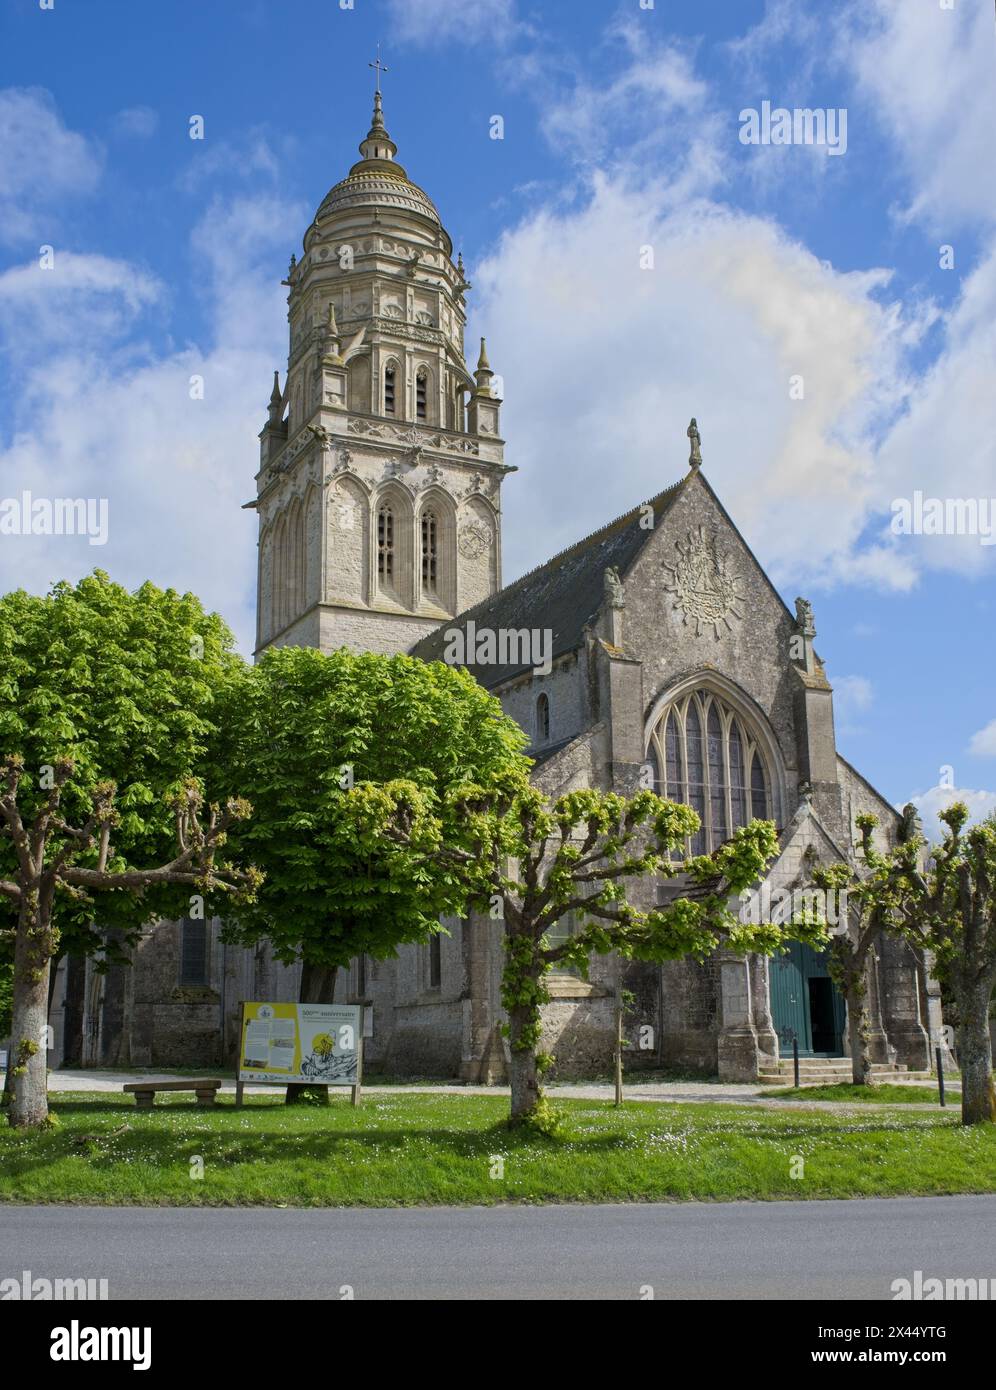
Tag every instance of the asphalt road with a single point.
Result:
(743, 1250)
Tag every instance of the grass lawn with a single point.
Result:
(408, 1149)
(881, 1095)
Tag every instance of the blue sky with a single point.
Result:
(621, 131)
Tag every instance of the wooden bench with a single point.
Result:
(145, 1091)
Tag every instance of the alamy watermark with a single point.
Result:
(54, 516)
(945, 516)
(30, 1287)
(802, 125)
(928, 1288)
(783, 906)
(81, 1343)
(503, 646)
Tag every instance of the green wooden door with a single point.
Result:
(805, 1003)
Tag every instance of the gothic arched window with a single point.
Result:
(542, 719)
(711, 761)
(430, 552)
(385, 545)
(388, 390)
(422, 394)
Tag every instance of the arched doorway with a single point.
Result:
(805, 1003)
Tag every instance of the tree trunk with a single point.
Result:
(522, 1069)
(975, 1057)
(857, 1031)
(317, 984)
(317, 987)
(29, 1102)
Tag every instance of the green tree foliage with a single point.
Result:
(946, 907)
(529, 861)
(106, 705)
(298, 730)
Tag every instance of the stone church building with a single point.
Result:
(672, 657)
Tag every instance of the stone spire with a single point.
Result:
(378, 145)
(483, 374)
(276, 400)
(483, 406)
(330, 341)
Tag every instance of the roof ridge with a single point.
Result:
(565, 591)
(575, 545)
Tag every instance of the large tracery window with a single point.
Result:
(702, 753)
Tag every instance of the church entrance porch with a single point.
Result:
(806, 1005)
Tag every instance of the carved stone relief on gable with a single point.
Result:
(707, 590)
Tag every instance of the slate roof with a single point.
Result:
(562, 595)
(545, 751)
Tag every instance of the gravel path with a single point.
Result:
(694, 1092)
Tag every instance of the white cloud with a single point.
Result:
(983, 743)
(137, 121)
(654, 104)
(247, 158)
(944, 444)
(929, 803)
(41, 163)
(442, 21)
(784, 24)
(99, 296)
(616, 359)
(99, 421)
(928, 71)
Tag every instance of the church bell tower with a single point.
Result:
(381, 460)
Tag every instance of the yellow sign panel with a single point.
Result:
(291, 1043)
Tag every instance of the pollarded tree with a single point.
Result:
(106, 704)
(870, 896)
(511, 848)
(297, 730)
(56, 857)
(951, 910)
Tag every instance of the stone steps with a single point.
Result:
(830, 1071)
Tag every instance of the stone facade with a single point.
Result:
(673, 658)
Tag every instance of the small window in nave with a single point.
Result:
(543, 719)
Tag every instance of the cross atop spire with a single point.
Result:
(378, 144)
(380, 67)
